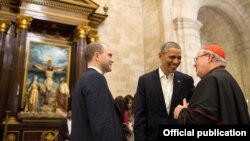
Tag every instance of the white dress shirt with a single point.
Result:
(167, 87)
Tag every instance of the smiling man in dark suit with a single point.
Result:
(159, 92)
(94, 115)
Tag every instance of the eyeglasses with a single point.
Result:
(196, 58)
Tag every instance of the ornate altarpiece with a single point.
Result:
(34, 34)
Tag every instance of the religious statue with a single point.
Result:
(48, 82)
(62, 97)
(33, 98)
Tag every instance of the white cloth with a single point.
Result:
(69, 125)
(167, 87)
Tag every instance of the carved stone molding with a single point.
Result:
(182, 22)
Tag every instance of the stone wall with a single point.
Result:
(123, 31)
(137, 29)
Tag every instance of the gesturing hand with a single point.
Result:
(179, 107)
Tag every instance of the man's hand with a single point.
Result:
(179, 107)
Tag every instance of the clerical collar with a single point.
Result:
(95, 68)
(161, 74)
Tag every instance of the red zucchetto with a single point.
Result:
(215, 49)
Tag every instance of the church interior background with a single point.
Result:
(34, 33)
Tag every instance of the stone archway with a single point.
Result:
(227, 25)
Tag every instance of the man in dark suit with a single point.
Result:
(65, 128)
(94, 115)
(159, 92)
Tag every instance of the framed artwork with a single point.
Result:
(46, 65)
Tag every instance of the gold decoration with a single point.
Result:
(67, 5)
(96, 19)
(5, 125)
(23, 21)
(93, 38)
(11, 137)
(82, 31)
(49, 135)
(10, 120)
(4, 25)
(105, 9)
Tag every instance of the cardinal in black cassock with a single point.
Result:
(217, 99)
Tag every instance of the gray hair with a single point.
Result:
(91, 49)
(167, 45)
(216, 57)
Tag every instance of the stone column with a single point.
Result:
(78, 63)
(245, 64)
(4, 26)
(187, 34)
(18, 65)
(166, 17)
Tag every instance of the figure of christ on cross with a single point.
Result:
(48, 82)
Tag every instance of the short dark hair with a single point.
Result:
(91, 49)
(167, 45)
